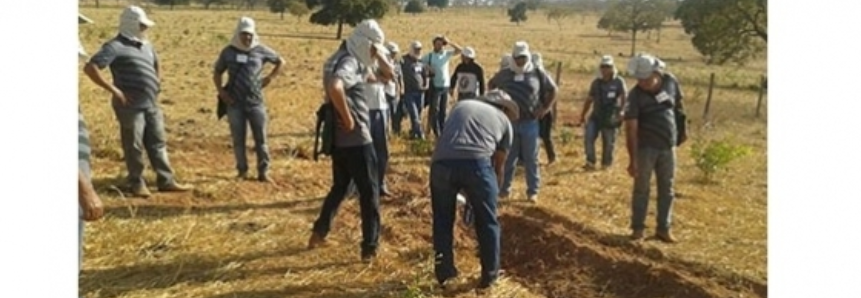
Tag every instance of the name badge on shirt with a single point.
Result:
(518, 78)
(662, 97)
(611, 94)
(418, 69)
(241, 58)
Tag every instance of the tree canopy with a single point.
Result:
(414, 7)
(517, 13)
(726, 30)
(635, 16)
(351, 12)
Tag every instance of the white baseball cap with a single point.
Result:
(468, 52)
(416, 45)
(393, 47)
(521, 49)
(137, 14)
(643, 65)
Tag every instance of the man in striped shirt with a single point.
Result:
(650, 127)
(136, 84)
(535, 94)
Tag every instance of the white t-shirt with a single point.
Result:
(375, 93)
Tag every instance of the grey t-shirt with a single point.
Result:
(134, 67)
(656, 121)
(414, 73)
(243, 68)
(525, 89)
(347, 68)
(473, 130)
(605, 94)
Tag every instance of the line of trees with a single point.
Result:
(722, 30)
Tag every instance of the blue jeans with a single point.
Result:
(478, 181)
(143, 130)
(381, 143)
(663, 164)
(524, 145)
(396, 112)
(414, 102)
(240, 119)
(608, 140)
(438, 109)
(357, 164)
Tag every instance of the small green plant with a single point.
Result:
(567, 136)
(714, 156)
(421, 147)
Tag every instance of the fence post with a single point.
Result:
(709, 98)
(558, 72)
(762, 87)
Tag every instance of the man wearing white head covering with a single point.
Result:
(546, 123)
(535, 93)
(90, 206)
(242, 97)
(654, 118)
(136, 85)
(606, 99)
(346, 75)
(468, 76)
(469, 158)
(395, 88)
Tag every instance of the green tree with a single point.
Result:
(517, 14)
(726, 30)
(414, 7)
(634, 16)
(298, 9)
(558, 13)
(278, 6)
(350, 12)
(440, 4)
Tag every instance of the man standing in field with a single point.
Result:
(438, 61)
(243, 60)
(526, 84)
(379, 115)
(395, 89)
(606, 98)
(468, 77)
(469, 158)
(652, 136)
(345, 77)
(546, 122)
(89, 204)
(416, 82)
(136, 84)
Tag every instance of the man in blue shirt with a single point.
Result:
(438, 61)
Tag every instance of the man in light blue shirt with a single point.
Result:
(438, 61)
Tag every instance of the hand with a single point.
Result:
(93, 208)
(266, 81)
(580, 122)
(119, 95)
(225, 97)
(348, 124)
(632, 169)
(445, 40)
(539, 113)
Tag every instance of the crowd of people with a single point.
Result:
(369, 87)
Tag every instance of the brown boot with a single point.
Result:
(140, 191)
(317, 241)
(174, 187)
(665, 236)
(638, 235)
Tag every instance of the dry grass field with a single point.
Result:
(247, 239)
